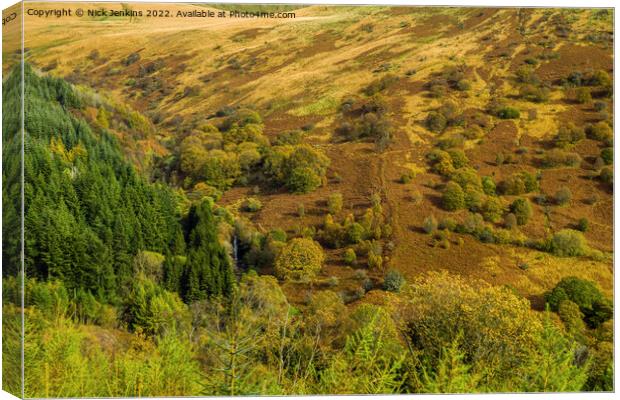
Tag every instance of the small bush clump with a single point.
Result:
(393, 281)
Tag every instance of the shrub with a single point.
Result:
(355, 232)
(591, 301)
(303, 180)
(583, 224)
(474, 199)
(508, 113)
(607, 155)
(441, 162)
(563, 196)
(360, 274)
(467, 177)
(452, 141)
(534, 94)
(252, 204)
(582, 95)
(380, 84)
(406, 177)
(448, 224)
(488, 186)
(522, 210)
(463, 85)
(290, 138)
(375, 261)
(557, 157)
(436, 122)
(599, 78)
(600, 131)
(514, 185)
(607, 176)
(278, 235)
(525, 74)
(510, 221)
(569, 135)
(131, 58)
(473, 132)
(453, 197)
(333, 281)
(350, 257)
(499, 159)
(430, 224)
(334, 203)
(493, 209)
(393, 281)
(301, 210)
(450, 110)
(300, 259)
(568, 243)
(600, 106)
(458, 157)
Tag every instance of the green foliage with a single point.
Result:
(393, 281)
(595, 307)
(88, 210)
(488, 186)
(452, 374)
(526, 74)
(208, 271)
(557, 157)
(152, 310)
(252, 204)
(583, 96)
(300, 168)
(552, 366)
(355, 232)
(607, 154)
(349, 256)
(568, 243)
(380, 84)
(569, 135)
(519, 183)
(300, 259)
(535, 94)
(453, 197)
(600, 131)
(508, 113)
(607, 176)
(522, 210)
(436, 317)
(583, 224)
(365, 366)
(493, 209)
(459, 159)
(572, 318)
(334, 203)
(436, 122)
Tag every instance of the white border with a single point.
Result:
(480, 3)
